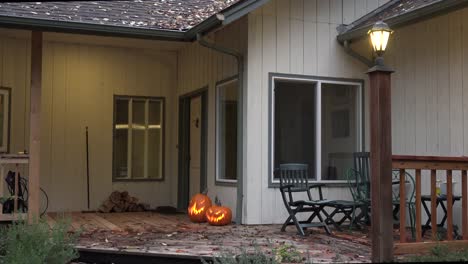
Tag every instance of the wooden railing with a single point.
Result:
(415, 165)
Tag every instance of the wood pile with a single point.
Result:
(119, 202)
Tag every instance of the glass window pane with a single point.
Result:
(227, 130)
(155, 139)
(138, 153)
(339, 129)
(120, 153)
(121, 111)
(155, 112)
(138, 116)
(294, 124)
(154, 153)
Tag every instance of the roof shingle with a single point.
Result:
(178, 15)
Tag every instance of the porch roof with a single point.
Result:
(397, 13)
(162, 19)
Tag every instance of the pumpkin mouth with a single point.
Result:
(217, 218)
(195, 210)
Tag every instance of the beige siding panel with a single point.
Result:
(323, 49)
(443, 85)
(310, 48)
(336, 12)
(432, 97)
(269, 9)
(297, 9)
(421, 84)
(360, 8)
(254, 211)
(283, 37)
(297, 46)
(371, 5)
(269, 65)
(310, 10)
(456, 84)
(464, 22)
(348, 11)
(323, 11)
(409, 97)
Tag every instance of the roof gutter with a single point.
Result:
(87, 28)
(420, 14)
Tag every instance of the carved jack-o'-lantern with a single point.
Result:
(198, 206)
(219, 215)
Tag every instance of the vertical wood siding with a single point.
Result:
(297, 37)
(79, 81)
(199, 67)
(430, 91)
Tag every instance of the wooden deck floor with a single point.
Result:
(160, 234)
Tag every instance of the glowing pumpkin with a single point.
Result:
(198, 206)
(219, 215)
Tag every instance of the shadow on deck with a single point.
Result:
(160, 235)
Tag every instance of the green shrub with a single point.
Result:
(288, 254)
(37, 243)
(254, 257)
(441, 253)
(283, 254)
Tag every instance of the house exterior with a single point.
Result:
(167, 116)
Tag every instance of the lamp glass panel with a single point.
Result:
(379, 39)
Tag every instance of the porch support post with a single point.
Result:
(35, 126)
(381, 164)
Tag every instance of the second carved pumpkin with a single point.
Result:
(219, 215)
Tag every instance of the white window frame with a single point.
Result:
(318, 81)
(218, 179)
(147, 127)
(4, 148)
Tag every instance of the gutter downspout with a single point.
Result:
(354, 54)
(240, 111)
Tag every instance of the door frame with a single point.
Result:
(184, 145)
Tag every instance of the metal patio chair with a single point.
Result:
(360, 193)
(410, 202)
(294, 180)
(360, 178)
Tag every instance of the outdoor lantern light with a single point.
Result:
(379, 35)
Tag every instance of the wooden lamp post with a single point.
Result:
(381, 148)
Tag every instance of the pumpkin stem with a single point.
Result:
(205, 191)
(217, 201)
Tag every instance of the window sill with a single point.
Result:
(138, 180)
(226, 183)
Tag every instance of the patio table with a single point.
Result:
(439, 201)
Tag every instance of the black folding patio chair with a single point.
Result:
(361, 177)
(294, 180)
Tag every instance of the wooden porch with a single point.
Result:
(156, 234)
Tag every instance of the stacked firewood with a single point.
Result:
(119, 202)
